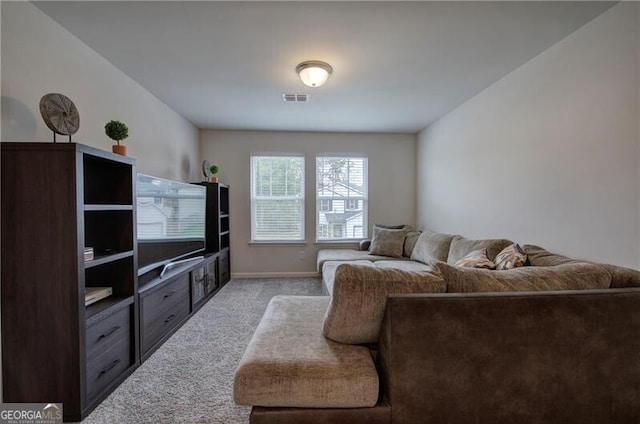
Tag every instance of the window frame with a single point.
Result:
(254, 197)
(329, 227)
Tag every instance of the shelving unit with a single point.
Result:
(218, 229)
(58, 199)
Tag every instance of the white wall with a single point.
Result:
(39, 57)
(391, 160)
(548, 155)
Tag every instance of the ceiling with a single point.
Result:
(397, 66)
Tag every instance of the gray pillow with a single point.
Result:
(410, 242)
(387, 242)
(431, 245)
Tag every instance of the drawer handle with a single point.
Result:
(169, 318)
(109, 368)
(110, 332)
(169, 294)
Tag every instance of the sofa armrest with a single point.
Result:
(543, 357)
(364, 245)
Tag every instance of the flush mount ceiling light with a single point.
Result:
(314, 73)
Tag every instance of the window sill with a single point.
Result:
(325, 242)
(278, 243)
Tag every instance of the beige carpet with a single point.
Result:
(190, 378)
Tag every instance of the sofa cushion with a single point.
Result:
(325, 255)
(402, 265)
(359, 297)
(461, 247)
(387, 242)
(582, 276)
(431, 245)
(329, 272)
(510, 257)
(289, 363)
(476, 259)
(621, 277)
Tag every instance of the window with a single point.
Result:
(277, 198)
(325, 205)
(341, 198)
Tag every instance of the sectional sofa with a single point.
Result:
(407, 336)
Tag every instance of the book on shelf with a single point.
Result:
(94, 294)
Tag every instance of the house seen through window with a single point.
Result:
(341, 198)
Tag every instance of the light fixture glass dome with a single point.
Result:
(314, 73)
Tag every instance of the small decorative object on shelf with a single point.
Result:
(117, 131)
(59, 114)
(205, 170)
(214, 170)
(88, 253)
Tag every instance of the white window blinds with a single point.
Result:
(277, 198)
(341, 198)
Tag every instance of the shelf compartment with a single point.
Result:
(106, 181)
(109, 230)
(224, 224)
(115, 274)
(224, 241)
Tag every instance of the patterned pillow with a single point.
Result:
(387, 242)
(476, 259)
(511, 257)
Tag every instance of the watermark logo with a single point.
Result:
(30, 413)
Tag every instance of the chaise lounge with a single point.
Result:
(411, 337)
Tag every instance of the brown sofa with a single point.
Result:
(404, 341)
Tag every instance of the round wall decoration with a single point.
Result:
(206, 169)
(60, 114)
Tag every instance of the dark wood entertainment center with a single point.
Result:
(57, 199)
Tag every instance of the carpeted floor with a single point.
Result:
(190, 378)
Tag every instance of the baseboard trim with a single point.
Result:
(274, 274)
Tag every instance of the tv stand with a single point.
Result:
(180, 262)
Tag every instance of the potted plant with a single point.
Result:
(214, 170)
(117, 131)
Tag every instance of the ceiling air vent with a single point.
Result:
(300, 98)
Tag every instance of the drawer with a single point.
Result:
(106, 333)
(159, 322)
(164, 296)
(106, 367)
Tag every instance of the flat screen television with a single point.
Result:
(170, 221)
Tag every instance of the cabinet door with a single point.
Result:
(223, 263)
(198, 284)
(212, 276)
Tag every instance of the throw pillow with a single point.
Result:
(511, 257)
(476, 259)
(386, 242)
(581, 276)
(359, 298)
(410, 242)
(461, 247)
(431, 246)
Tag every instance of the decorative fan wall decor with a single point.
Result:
(206, 169)
(59, 114)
